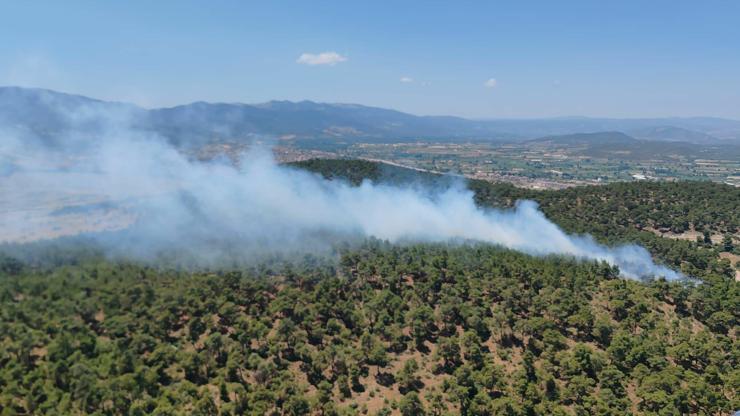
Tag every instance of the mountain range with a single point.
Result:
(48, 115)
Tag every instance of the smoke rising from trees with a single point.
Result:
(206, 209)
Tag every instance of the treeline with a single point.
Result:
(668, 206)
(412, 330)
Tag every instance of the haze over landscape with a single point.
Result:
(369, 209)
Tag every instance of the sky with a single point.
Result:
(483, 59)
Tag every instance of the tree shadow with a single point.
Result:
(416, 385)
(385, 379)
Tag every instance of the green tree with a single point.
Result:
(411, 405)
(407, 377)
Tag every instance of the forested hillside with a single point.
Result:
(380, 329)
(615, 213)
(421, 329)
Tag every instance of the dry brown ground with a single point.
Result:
(734, 259)
(687, 235)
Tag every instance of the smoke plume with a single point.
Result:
(128, 180)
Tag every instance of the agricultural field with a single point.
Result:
(535, 164)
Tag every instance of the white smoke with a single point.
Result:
(204, 209)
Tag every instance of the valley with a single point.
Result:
(539, 165)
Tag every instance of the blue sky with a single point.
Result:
(548, 58)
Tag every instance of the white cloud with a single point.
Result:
(323, 58)
(407, 80)
(491, 83)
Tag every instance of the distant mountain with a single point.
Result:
(674, 134)
(600, 138)
(304, 120)
(56, 117)
(617, 145)
(645, 128)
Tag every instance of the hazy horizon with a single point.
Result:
(521, 118)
